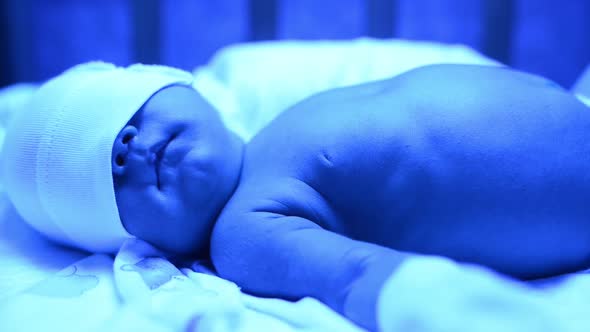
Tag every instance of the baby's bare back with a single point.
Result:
(480, 164)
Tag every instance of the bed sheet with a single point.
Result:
(138, 289)
(46, 286)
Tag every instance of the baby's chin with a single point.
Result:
(182, 236)
(178, 218)
(186, 242)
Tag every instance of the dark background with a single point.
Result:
(41, 38)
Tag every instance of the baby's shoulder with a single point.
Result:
(279, 196)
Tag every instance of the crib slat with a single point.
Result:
(326, 19)
(6, 75)
(450, 21)
(263, 19)
(146, 31)
(497, 17)
(193, 30)
(69, 32)
(18, 49)
(381, 16)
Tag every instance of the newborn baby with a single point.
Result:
(480, 164)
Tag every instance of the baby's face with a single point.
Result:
(175, 166)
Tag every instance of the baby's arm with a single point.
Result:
(291, 257)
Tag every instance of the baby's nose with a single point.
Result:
(121, 149)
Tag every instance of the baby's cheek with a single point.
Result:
(199, 178)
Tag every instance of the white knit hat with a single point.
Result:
(57, 151)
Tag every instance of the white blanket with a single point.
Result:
(436, 294)
(141, 290)
(47, 287)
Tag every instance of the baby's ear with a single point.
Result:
(121, 149)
